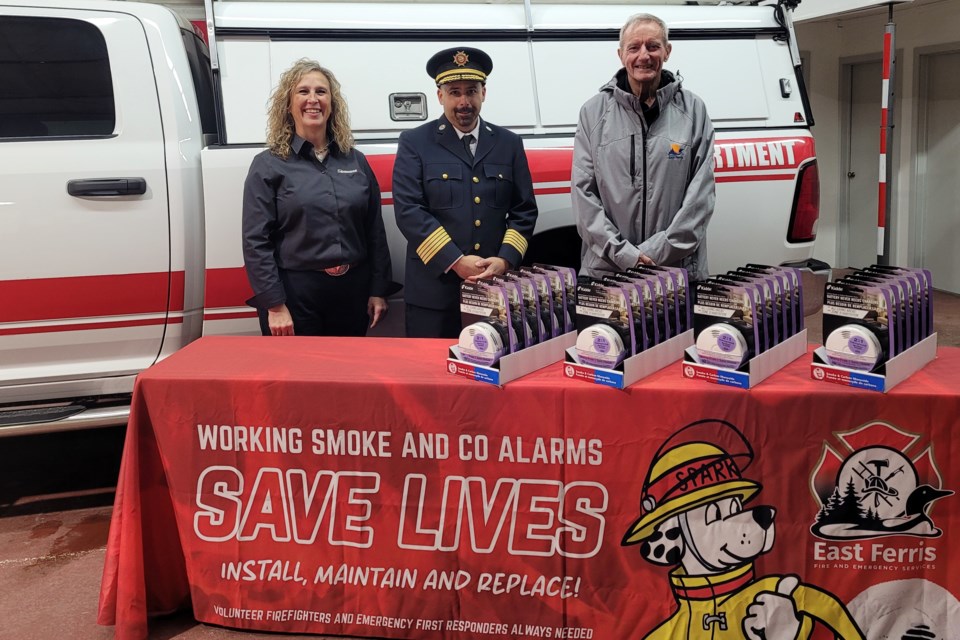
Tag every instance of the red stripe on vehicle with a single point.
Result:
(550, 165)
(227, 287)
(40, 299)
(89, 326)
(546, 191)
(743, 178)
(752, 154)
(731, 156)
(382, 166)
(546, 165)
(549, 190)
(239, 315)
(177, 291)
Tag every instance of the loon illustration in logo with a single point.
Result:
(694, 519)
(676, 152)
(875, 489)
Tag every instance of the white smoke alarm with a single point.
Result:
(600, 345)
(480, 343)
(853, 346)
(721, 345)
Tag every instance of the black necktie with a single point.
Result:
(467, 140)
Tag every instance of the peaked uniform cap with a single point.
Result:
(459, 63)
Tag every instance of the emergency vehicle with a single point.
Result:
(124, 143)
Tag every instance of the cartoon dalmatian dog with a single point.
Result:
(694, 519)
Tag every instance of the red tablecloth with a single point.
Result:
(352, 486)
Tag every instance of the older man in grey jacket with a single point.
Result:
(643, 185)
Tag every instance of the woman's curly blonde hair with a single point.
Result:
(280, 127)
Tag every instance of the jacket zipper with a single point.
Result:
(643, 189)
(633, 160)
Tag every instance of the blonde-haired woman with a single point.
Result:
(314, 245)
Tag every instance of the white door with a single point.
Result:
(857, 235)
(938, 169)
(84, 248)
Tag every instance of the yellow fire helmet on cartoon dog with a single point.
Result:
(701, 463)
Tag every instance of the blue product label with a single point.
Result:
(608, 378)
(862, 381)
(483, 374)
(733, 379)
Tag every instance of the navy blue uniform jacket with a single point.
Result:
(448, 205)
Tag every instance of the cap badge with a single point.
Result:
(460, 58)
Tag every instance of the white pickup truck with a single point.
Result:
(124, 145)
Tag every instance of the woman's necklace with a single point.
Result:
(321, 152)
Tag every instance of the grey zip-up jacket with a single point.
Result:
(640, 188)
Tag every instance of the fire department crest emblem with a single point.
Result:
(460, 58)
(881, 481)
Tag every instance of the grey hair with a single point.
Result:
(645, 17)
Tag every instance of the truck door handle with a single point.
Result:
(107, 187)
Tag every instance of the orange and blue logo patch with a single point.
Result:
(675, 153)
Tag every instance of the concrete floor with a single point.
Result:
(53, 533)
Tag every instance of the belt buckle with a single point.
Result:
(337, 271)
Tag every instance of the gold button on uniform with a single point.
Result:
(445, 176)
(476, 179)
(477, 199)
(477, 246)
(476, 223)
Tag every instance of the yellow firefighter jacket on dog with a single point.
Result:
(713, 607)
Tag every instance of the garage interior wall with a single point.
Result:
(920, 25)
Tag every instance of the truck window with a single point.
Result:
(199, 57)
(56, 79)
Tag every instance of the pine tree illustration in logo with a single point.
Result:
(876, 489)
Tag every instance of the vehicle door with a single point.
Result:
(84, 247)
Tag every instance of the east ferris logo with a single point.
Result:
(882, 481)
(675, 153)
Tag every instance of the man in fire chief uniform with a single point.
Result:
(462, 194)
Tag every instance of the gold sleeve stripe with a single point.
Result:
(438, 234)
(433, 243)
(515, 240)
(430, 249)
(433, 252)
(429, 252)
